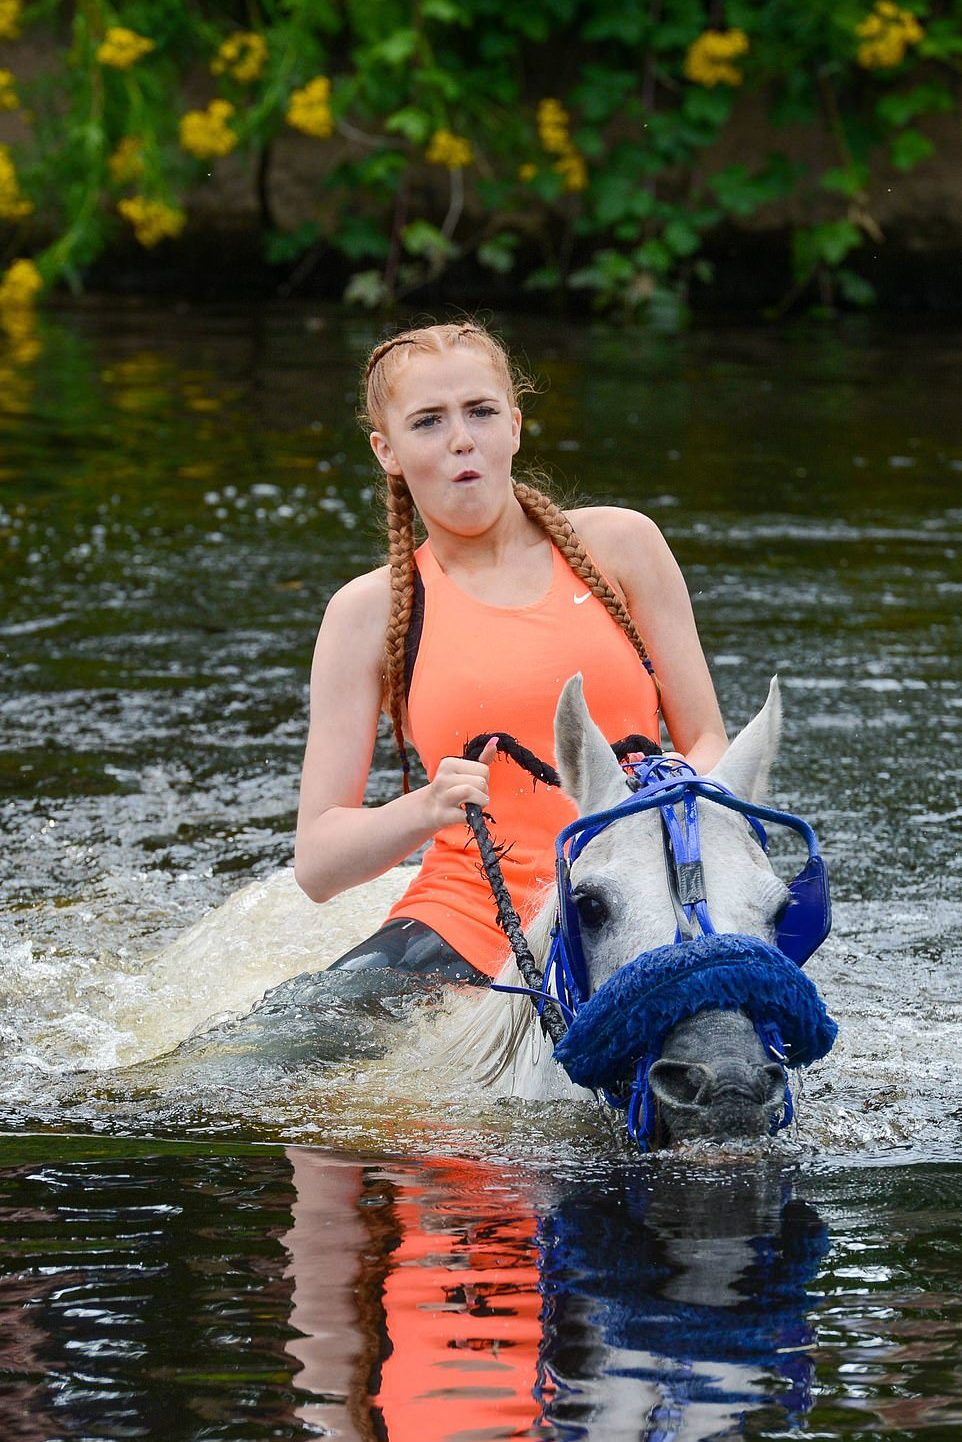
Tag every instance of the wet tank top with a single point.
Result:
(501, 668)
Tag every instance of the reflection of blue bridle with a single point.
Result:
(664, 783)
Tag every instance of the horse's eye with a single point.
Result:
(592, 911)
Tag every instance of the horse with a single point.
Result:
(693, 1032)
(688, 1035)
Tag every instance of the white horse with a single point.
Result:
(714, 1076)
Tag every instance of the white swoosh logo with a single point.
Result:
(578, 599)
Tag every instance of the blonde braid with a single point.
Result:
(400, 529)
(540, 509)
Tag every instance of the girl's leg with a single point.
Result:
(413, 947)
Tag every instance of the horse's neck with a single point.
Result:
(498, 1038)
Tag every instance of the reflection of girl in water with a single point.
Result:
(447, 1301)
(418, 1292)
(477, 630)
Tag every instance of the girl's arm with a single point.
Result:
(340, 842)
(634, 555)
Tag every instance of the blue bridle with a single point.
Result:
(664, 782)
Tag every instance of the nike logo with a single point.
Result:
(578, 599)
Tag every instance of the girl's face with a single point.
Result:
(451, 431)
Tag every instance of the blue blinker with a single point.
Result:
(807, 918)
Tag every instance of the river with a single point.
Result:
(215, 1231)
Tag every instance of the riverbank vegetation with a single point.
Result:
(568, 148)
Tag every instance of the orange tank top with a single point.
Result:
(501, 669)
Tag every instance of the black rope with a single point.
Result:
(551, 1017)
(510, 922)
(508, 746)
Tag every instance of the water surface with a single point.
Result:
(243, 1234)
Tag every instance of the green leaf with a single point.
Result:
(366, 288)
(283, 246)
(421, 238)
(624, 25)
(905, 105)
(942, 39)
(443, 82)
(445, 11)
(855, 288)
(619, 198)
(547, 277)
(738, 192)
(601, 92)
(909, 148)
(681, 237)
(825, 244)
(361, 237)
(397, 48)
(709, 108)
(498, 252)
(847, 180)
(414, 124)
(655, 256)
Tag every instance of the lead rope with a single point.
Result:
(552, 1018)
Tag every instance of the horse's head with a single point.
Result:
(717, 1068)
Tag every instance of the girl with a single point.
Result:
(477, 630)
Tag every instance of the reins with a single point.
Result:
(551, 1012)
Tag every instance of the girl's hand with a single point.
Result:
(457, 782)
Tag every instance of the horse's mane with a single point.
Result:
(497, 1038)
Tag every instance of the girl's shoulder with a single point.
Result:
(614, 530)
(358, 612)
(625, 545)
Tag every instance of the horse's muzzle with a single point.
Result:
(734, 1098)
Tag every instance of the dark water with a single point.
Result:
(205, 1246)
(239, 1292)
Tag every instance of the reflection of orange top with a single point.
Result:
(501, 669)
(462, 1307)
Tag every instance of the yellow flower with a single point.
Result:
(886, 34)
(22, 349)
(127, 162)
(553, 132)
(709, 59)
(9, 99)
(553, 123)
(572, 169)
(309, 108)
(527, 172)
(121, 48)
(242, 55)
(13, 204)
(10, 19)
(20, 287)
(152, 220)
(206, 133)
(449, 149)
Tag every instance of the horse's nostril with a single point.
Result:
(773, 1084)
(681, 1083)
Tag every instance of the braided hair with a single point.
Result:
(383, 365)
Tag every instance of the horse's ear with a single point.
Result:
(746, 765)
(586, 763)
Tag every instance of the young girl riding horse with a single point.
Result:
(476, 631)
